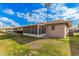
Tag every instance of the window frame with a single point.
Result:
(53, 27)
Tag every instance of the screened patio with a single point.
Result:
(34, 31)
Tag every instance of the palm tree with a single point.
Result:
(56, 9)
(48, 5)
(30, 14)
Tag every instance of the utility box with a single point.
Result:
(71, 32)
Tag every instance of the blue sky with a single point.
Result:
(18, 14)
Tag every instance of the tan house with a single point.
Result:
(18, 29)
(11, 29)
(57, 28)
(7, 29)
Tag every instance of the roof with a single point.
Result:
(60, 21)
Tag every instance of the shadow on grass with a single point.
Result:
(21, 39)
(74, 45)
(24, 39)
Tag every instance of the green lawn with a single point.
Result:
(19, 45)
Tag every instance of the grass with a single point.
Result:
(19, 45)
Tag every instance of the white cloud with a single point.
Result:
(5, 20)
(60, 10)
(9, 11)
(40, 10)
(69, 12)
(37, 16)
(57, 11)
(2, 24)
(19, 14)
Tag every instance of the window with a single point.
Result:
(41, 30)
(53, 27)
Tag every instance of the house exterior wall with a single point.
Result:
(61, 30)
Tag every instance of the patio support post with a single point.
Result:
(37, 30)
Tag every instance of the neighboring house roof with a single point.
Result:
(74, 29)
(7, 28)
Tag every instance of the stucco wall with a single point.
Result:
(60, 31)
(67, 29)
